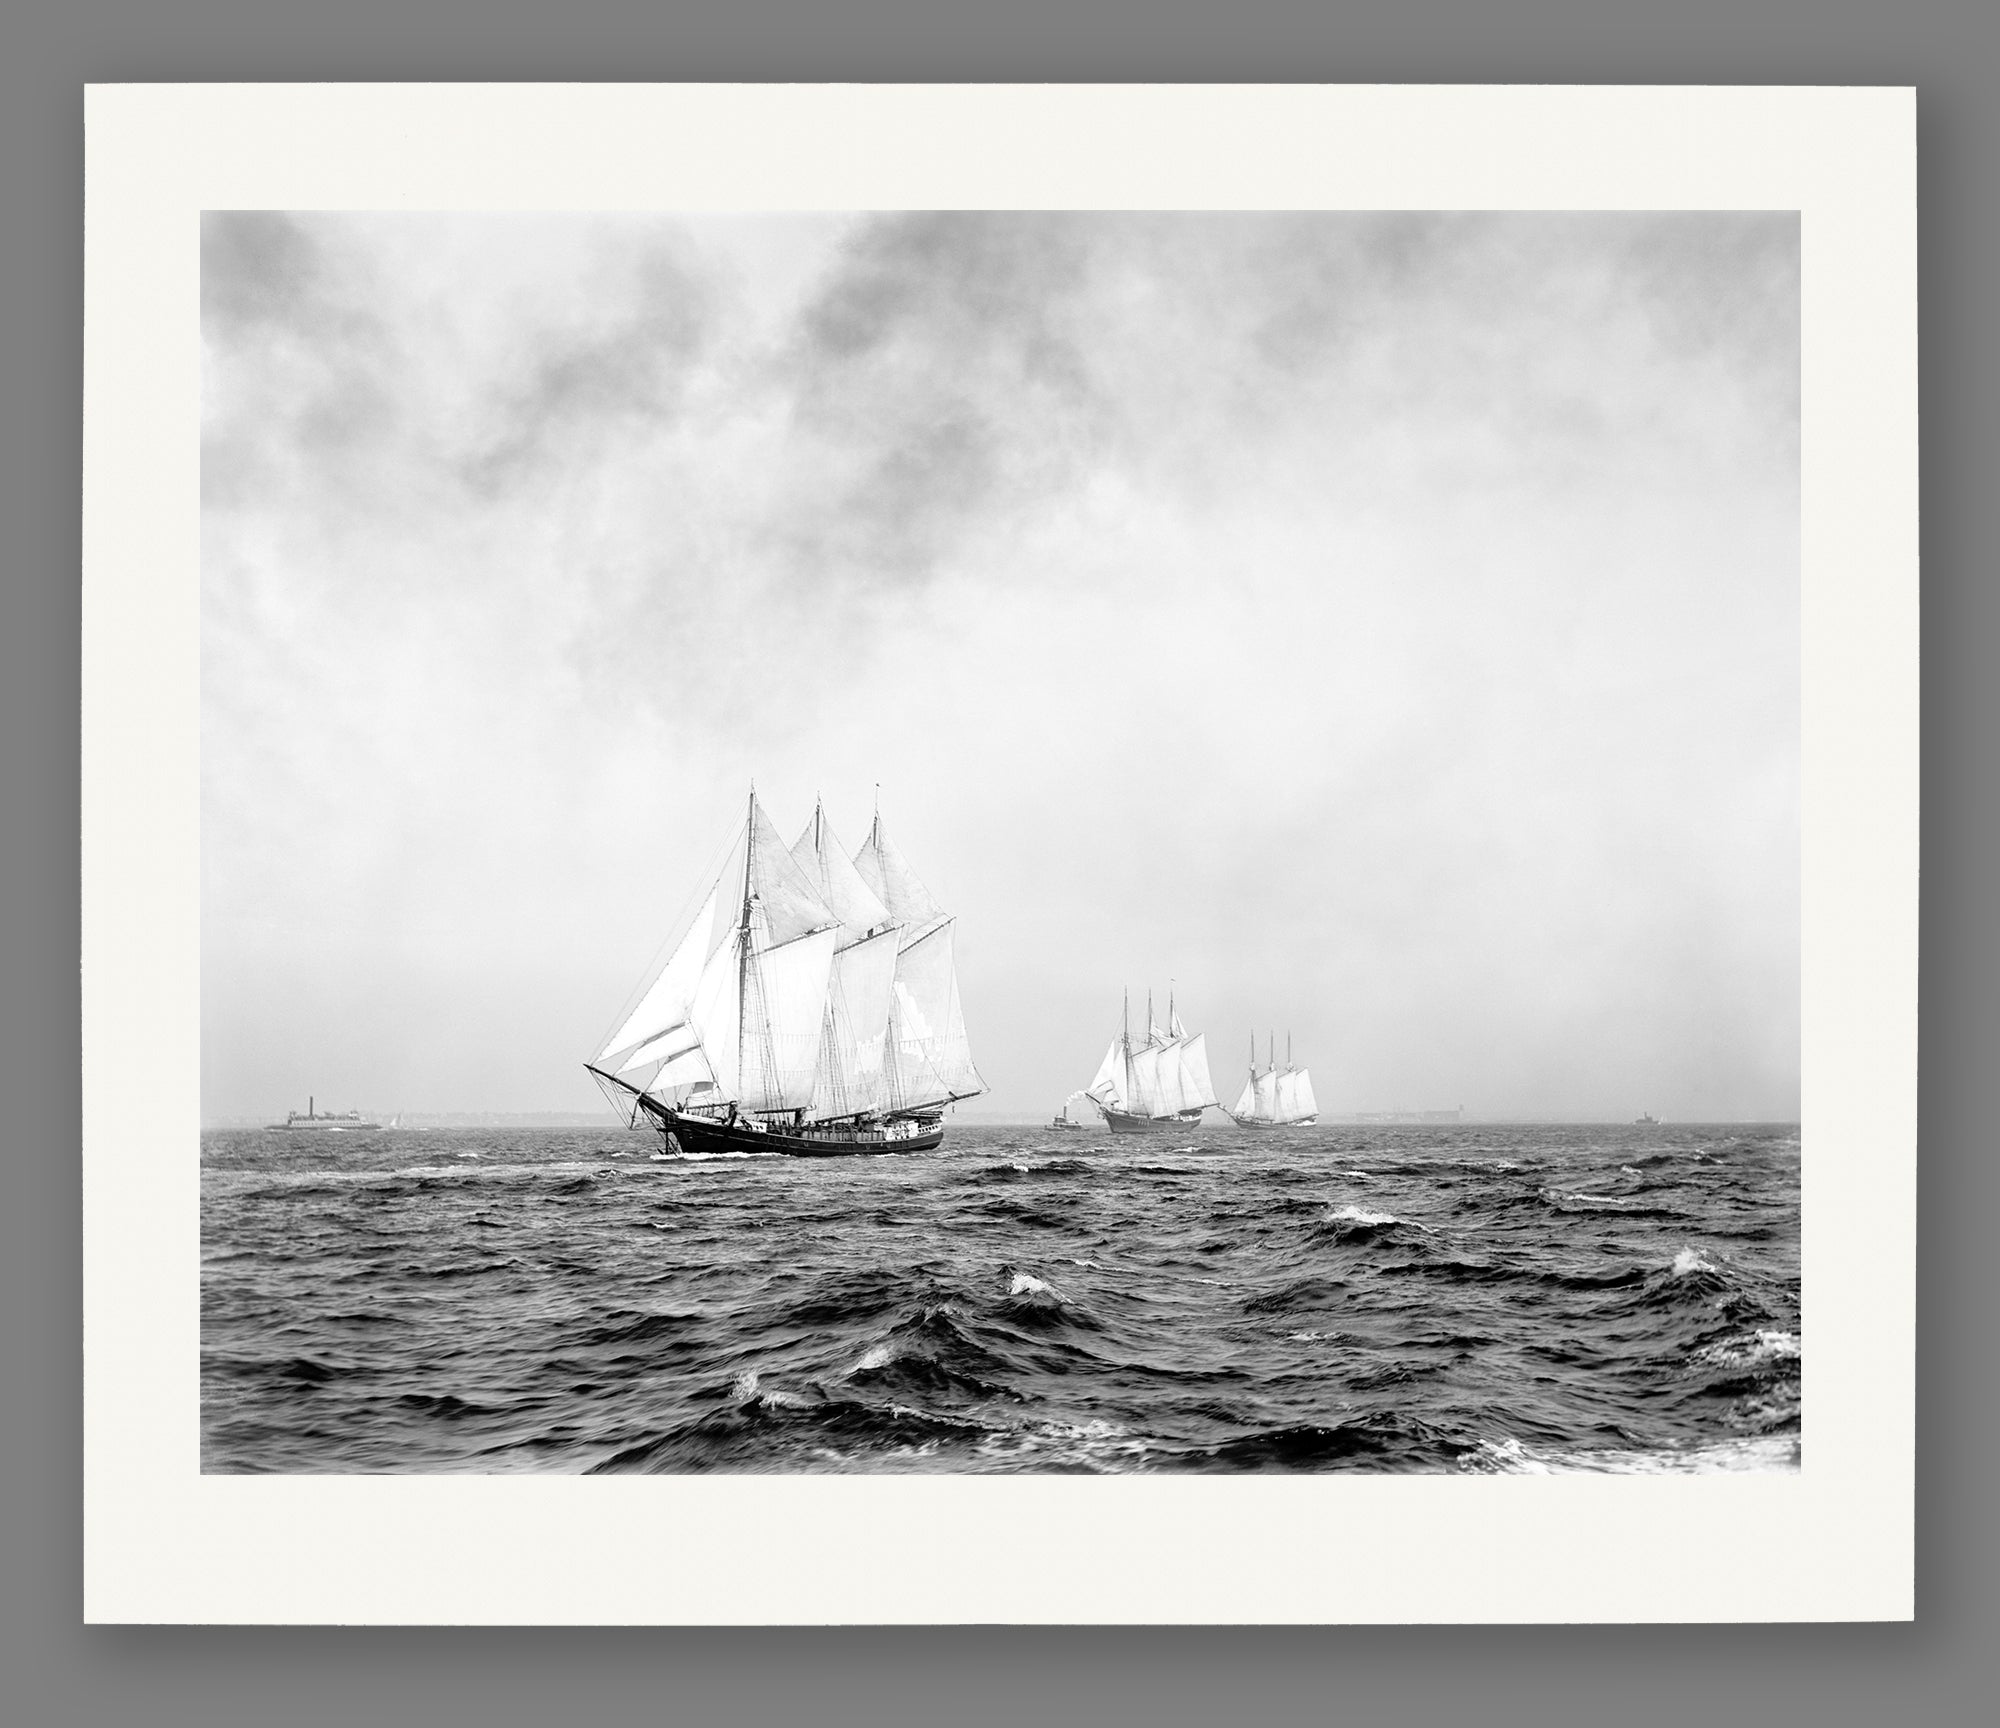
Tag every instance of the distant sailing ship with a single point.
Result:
(1278, 1097)
(1160, 1083)
(313, 1119)
(811, 1007)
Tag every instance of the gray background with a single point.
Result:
(55, 1670)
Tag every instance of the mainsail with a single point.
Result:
(929, 1062)
(852, 1077)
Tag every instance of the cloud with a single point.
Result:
(1387, 623)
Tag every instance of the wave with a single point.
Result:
(1004, 1307)
(772, 1430)
(1779, 1453)
(1352, 1224)
(1379, 1440)
(628, 1326)
(1304, 1293)
(304, 1372)
(1569, 1200)
(446, 1407)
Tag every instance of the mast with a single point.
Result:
(743, 939)
(1125, 1041)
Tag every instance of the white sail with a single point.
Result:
(716, 1014)
(663, 1009)
(817, 853)
(790, 905)
(1287, 1096)
(784, 1006)
(735, 1014)
(930, 1062)
(1196, 1088)
(888, 876)
(1145, 1089)
(1295, 1096)
(1108, 1087)
(1267, 1096)
(852, 1078)
(854, 1029)
(1246, 1104)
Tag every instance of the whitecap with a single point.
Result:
(878, 1356)
(1761, 1346)
(1360, 1215)
(744, 1387)
(1026, 1284)
(1687, 1261)
(1776, 1452)
(1572, 1197)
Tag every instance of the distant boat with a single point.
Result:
(1645, 1121)
(1278, 1097)
(811, 1008)
(313, 1119)
(1159, 1083)
(1063, 1119)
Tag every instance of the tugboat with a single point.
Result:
(1063, 1120)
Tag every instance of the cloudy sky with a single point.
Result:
(1385, 627)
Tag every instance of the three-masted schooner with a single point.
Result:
(1160, 1082)
(1276, 1097)
(810, 1008)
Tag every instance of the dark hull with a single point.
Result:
(328, 1124)
(708, 1134)
(1119, 1123)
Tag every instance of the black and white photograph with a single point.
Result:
(1000, 841)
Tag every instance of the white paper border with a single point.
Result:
(165, 1543)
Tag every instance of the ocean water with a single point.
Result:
(1394, 1298)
